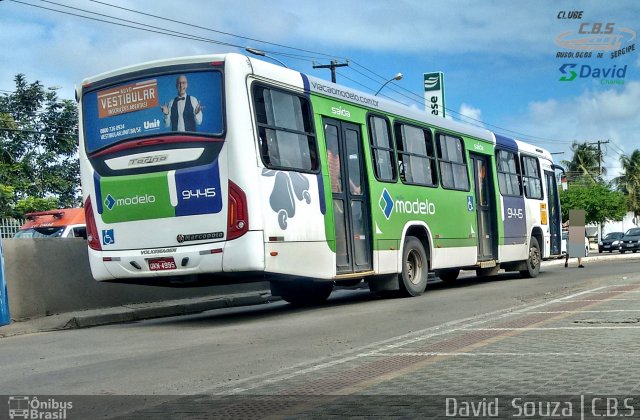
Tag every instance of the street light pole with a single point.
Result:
(396, 77)
(263, 54)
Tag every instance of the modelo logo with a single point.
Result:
(145, 160)
(199, 193)
(388, 205)
(111, 202)
(340, 111)
(415, 207)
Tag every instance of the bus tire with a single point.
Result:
(415, 268)
(533, 261)
(448, 275)
(303, 292)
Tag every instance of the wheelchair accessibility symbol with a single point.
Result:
(108, 237)
(470, 206)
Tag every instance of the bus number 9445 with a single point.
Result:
(198, 193)
(514, 213)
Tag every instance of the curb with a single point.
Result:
(141, 311)
(594, 258)
(134, 312)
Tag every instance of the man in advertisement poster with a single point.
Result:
(183, 113)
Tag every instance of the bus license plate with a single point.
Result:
(160, 264)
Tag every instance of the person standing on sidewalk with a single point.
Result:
(566, 260)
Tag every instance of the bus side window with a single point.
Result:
(531, 177)
(416, 155)
(285, 130)
(382, 149)
(509, 177)
(453, 166)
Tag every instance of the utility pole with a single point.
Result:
(599, 142)
(333, 65)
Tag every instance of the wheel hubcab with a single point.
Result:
(414, 267)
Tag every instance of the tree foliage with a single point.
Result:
(585, 166)
(629, 181)
(38, 149)
(599, 201)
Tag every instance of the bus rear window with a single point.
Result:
(189, 102)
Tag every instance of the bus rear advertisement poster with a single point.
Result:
(183, 102)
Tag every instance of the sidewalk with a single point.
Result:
(134, 312)
(593, 257)
(137, 312)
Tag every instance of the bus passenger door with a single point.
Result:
(485, 207)
(350, 198)
(555, 219)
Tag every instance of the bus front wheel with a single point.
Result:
(415, 268)
(533, 261)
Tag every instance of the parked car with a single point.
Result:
(630, 241)
(61, 223)
(563, 246)
(611, 242)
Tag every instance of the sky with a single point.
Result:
(499, 57)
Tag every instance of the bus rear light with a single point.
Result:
(92, 229)
(238, 217)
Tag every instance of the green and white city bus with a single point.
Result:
(224, 168)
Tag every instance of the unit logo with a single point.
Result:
(111, 202)
(152, 125)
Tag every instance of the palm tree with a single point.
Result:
(586, 163)
(629, 182)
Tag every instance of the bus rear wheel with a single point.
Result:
(533, 261)
(415, 268)
(302, 292)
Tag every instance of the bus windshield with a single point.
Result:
(186, 102)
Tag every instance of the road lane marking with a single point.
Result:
(585, 312)
(598, 327)
(510, 354)
(270, 378)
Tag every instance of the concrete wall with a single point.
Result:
(47, 276)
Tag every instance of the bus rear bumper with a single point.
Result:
(242, 254)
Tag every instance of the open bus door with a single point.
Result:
(350, 198)
(555, 217)
(485, 208)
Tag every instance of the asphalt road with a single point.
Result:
(569, 331)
